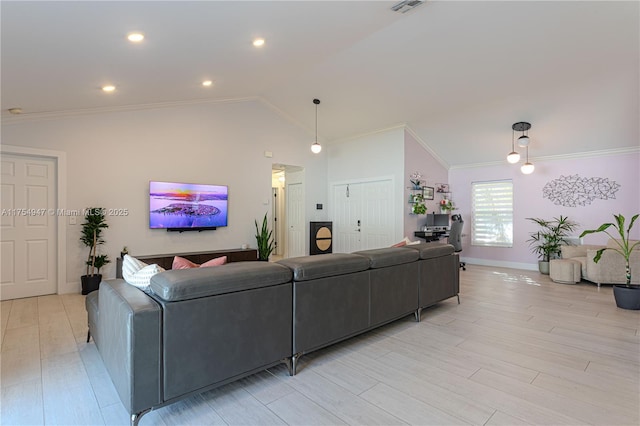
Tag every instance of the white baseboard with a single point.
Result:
(500, 264)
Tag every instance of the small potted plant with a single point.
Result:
(91, 237)
(547, 241)
(627, 296)
(417, 204)
(264, 238)
(446, 206)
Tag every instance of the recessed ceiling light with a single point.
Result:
(207, 83)
(135, 37)
(108, 88)
(259, 42)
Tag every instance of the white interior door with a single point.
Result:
(347, 220)
(28, 226)
(295, 220)
(362, 215)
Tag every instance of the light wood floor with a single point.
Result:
(518, 350)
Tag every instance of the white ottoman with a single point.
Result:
(564, 271)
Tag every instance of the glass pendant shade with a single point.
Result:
(527, 168)
(523, 141)
(513, 157)
(316, 148)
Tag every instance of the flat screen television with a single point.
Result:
(187, 206)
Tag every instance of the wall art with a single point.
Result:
(572, 191)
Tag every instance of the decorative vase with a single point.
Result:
(627, 297)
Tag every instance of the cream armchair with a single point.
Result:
(609, 270)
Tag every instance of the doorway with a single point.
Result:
(362, 213)
(29, 242)
(288, 211)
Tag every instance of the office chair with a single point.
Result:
(455, 236)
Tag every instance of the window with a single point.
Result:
(492, 213)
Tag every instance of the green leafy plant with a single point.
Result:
(547, 241)
(100, 261)
(419, 208)
(91, 236)
(624, 246)
(264, 238)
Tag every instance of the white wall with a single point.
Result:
(417, 159)
(624, 169)
(112, 156)
(369, 157)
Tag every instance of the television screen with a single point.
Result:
(187, 206)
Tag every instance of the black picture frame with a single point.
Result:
(427, 192)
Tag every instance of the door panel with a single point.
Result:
(295, 219)
(28, 227)
(362, 215)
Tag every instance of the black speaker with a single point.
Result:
(320, 237)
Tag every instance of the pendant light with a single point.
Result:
(527, 168)
(316, 147)
(513, 156)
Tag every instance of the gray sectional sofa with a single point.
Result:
(201, 328)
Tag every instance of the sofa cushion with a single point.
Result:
(431, 250)
(569, 252)
(613, 243)
(307, 268)
(383, 257)
(185, 284)
(182, 263)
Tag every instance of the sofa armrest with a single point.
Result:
(130, 343)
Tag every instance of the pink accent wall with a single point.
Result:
(418, 159)
(529, 202)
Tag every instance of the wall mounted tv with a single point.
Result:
(187, 206)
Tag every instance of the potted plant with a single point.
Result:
(264, 239)
(417, 204)
(91, 237)
(627, 296)
(446, 206)
(546, 242)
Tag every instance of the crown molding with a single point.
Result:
(55, 115)
(371, 133)
(428, 148)
(585, 154)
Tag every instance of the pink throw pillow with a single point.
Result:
(400, 244)
(182, 263)
(215, 262)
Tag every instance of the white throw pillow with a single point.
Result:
(138, 273)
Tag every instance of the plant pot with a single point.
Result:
(543, 267)
(90, 283)
(627, 297)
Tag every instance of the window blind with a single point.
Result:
(492, 213)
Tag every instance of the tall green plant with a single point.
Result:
(264, 238)
(547, 241)
(624, 246)
(91, 236)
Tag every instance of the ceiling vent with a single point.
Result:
(406, 5)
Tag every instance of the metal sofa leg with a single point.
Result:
(88, 335)
(417, 314)
(135, 418)
(292, 364)
(458, 296)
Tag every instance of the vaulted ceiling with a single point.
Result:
(458, 74)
